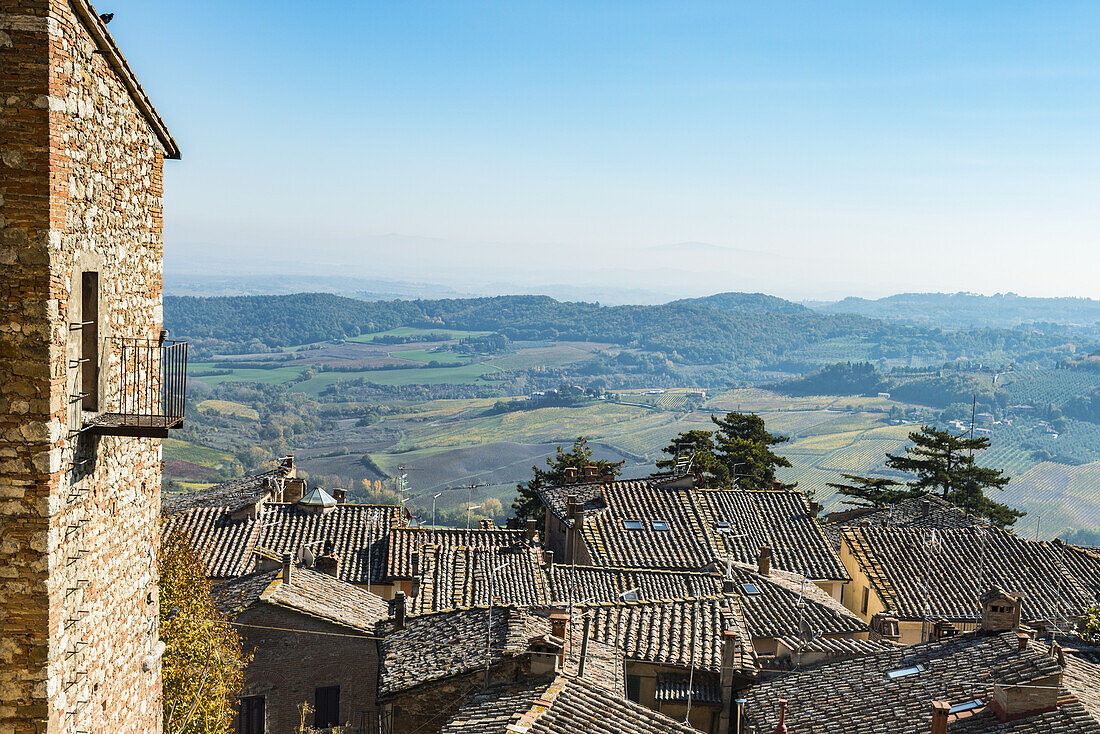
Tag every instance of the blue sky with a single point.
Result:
(814, 149)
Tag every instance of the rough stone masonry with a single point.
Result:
(81, 153)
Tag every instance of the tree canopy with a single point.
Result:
(737, 452)
(872, 491)
(527, 504)
(203, 664)
(944, 463)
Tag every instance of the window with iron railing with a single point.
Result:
(147, 388)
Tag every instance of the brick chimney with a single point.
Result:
(570, 474)
(294, 489)
(940, 710)
(591, 473)
(328, 562)
(764, 560)
(548, 558)
(781, 727)
(728, 586)
(399, 610)
(340, 495)
(531, 529)
(288, 568)
(559, 625)
(486, 523)
(1000, 611)
(570, 506)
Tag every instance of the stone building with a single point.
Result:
(312, 639)
(81, 155)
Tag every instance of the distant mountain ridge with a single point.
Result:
(758, 303)
(969, 310)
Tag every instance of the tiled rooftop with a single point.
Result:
(648, 523)
(226, 546)
(857, 695)
(772, 611)
(310, 592)
(678, 543)
(929, 511)
(441, 645)
(684, 632)
(740, 522)
(704, 688)
(458, 576)
(566, 706)
(950, 569)
(403, 542)
(234, 494)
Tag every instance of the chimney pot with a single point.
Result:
(340, 495)
(940, 710)
(1021, 640)
(570, 474)
(591, 472)
(531, 529)
(288, 566)
(559, 625)
(399, 609)
(764, 560)
(727, 586)
(548, 558)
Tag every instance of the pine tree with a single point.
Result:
(872, 491)
(944, 463)
(527, 504)
(738, 452)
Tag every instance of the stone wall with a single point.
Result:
(80, 189)
(288, 666)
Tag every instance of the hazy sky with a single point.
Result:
(833, 148)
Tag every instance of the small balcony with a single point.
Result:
(147, 387)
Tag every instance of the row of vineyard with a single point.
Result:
(1050, 387)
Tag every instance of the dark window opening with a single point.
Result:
(866, 600)
(326, 707)
(634, 688)
(250, 716)
(89, 341)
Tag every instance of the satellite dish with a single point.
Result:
(805, 632)
(305, 556)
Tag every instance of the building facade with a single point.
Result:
(81, 153)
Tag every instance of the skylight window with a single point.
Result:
(630, 596)
(722, 525)
(660, 525)
(633, 524)
(750, 589)
(958, 708)
(903, 672)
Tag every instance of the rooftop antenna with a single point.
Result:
(469, 496)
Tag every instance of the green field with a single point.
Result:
(417, 331)
(184, 451)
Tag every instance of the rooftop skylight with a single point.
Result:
(903, 672)
(750, 589)
(660, 525)
(632, 525)
(968, 706)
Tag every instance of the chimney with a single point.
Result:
(591, 473)
(781, 727)
(727, 586)
(570, 506)
(288, 567)
(485, 523)
(414, 563)
(1000, 611)
(730, 646)
(584, 644)
(294, 490)
(559, 625)
(925, 507)
(570, 474)
(399, 610)
(940, 710)
(531, 529)
(340, 495)
(328, 562)
(1021, 641)
(287, 465)
(607, 478)
(764, 560)
(548, 558)
(777, 486)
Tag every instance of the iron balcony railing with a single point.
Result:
(146, 389)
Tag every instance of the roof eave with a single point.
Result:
(97, 29)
